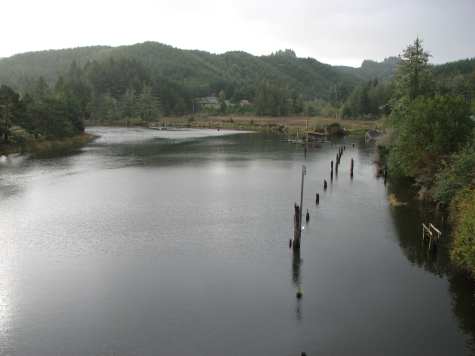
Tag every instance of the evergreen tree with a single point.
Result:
(413, 76)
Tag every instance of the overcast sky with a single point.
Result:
(336, 31)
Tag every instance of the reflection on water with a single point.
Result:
(436, 261)
(154, 242)
(296, 262)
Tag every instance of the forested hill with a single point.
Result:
(370, 69)
(202, 73)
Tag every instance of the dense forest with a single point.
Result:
(146, 80)
(52, 93)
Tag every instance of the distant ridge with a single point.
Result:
(198, 69)
(201, 71)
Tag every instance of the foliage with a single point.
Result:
(9, 110)
(368, 100)
(456, 175)
(413, 75)
(197, 73)
(272, 99)
(426, 129)
(463, 246)
(431, 123)
(51, 114)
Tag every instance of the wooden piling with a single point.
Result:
(317, 198)
(325, 184)
(297, 228)
(298, 214)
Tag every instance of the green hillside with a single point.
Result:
(201, 72)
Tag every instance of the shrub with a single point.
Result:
(463, 248)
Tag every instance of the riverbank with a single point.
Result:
(448, 197)
(288, 125)
(41, 147)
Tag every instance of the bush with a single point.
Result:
(458, 174)
(463, 248)
(427, 129)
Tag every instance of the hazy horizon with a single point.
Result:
(337, 33)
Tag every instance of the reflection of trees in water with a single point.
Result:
(297, 280)
(408, 225)
(462, 290)
(407, 221)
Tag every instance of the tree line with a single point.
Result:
(432, 139)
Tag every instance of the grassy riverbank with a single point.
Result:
(39, 147)
(286, 125)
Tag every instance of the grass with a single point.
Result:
(289, 124)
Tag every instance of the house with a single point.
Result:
(208, 102)
(244, 103)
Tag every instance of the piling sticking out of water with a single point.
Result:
(297, 228)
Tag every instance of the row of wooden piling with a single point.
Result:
(295, 243)
(336, 165)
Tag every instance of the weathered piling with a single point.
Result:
(317, 198)
(325, 184)
(297, 227)
(331, 165)
(307, 216)
(298, 215)
(351, 168)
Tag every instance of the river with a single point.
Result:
(176, 243)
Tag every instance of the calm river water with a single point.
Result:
(176, 243)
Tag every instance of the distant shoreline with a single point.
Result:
(47, 146)
(287, 125)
